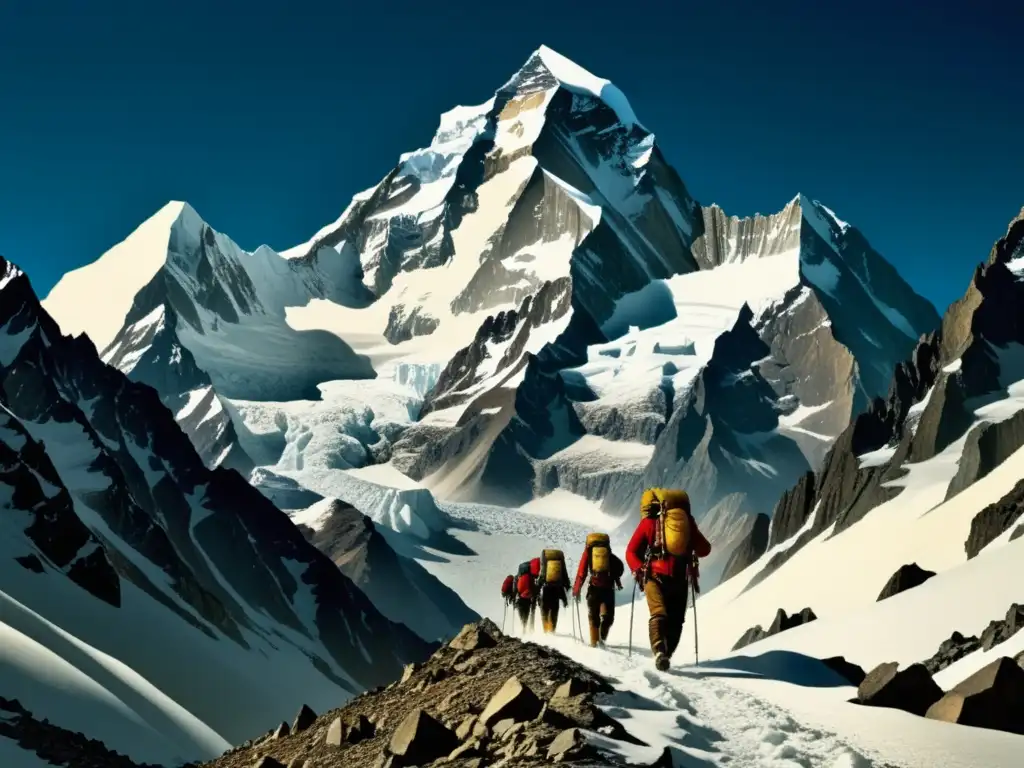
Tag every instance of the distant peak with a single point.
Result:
(817, 212)
(577, 79)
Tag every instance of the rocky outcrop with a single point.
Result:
(911, 689)
(750, 548)
(993, 697)
(466, 706)
(781, 623)
(906, 577)
(53, 745)
(35, 488)
(950, 651)
(995, 520)
(956, 646)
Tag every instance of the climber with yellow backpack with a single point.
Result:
(663, 558)
(554, 584)
(605, 571)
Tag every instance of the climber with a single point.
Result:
(525, 595)
(663, 558)
(508, 589)
(605, 571)
(554, 585)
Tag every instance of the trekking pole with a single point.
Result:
(579, 621)
(504, 613)
(632, 604)
(696, 646)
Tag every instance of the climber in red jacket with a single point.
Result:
(663, 557)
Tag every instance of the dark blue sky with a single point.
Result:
(267, 118)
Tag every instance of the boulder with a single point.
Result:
(780, 623)
(303, 720)
(268, 762)
(503, 726)
(1000, 631)
(907, 577)
(911, 689)
(409, 671)
(465, 728)
(469, 749)
(1020, 658)
(281, 731)
(568, 743)
(993, 697)
(513, 700)
(571, 687)
(471, 638)
(749, 637)
(420, 739)
(847, 669)
(951, 650)
(300, 762)
(335, 733)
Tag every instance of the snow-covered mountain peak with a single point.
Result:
(118, 275)
(576, 79)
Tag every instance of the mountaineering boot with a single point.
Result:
(595, 636)
(656, 630)
(661, 662)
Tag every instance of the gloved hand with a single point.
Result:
(638, 574)
(565, 601)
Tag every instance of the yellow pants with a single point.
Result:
(666, 601)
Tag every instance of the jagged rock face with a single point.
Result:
(32, 488)
(994, 520)
(907, 577)
(392, 582)
(936, 399)
(203, 544)
(750, 548)
(730, 239)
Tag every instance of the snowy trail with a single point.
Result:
(706, 720)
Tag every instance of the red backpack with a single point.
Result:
(508, 586)
(535, 567)
(525, 587)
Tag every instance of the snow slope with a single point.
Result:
(918, 526)
(772, 705)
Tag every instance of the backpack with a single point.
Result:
(524, 586)
(508, 586)
(535, 567)
(600, 551)
(675, 531)
(656, 500)
(553, 566)
(524, 570)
